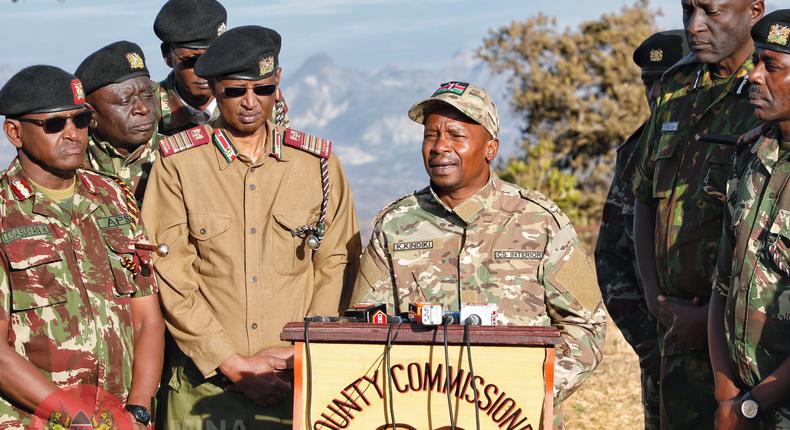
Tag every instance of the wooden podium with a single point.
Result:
(341, 381)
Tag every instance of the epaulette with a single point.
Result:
(544, 202)
(752, 135)
(308, 143)
(687, 60)
(389, 207)
(192, 138)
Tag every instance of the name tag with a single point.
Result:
(669, 127)
(114, 221)
(409, 246)
(517, 254)
(22, 232)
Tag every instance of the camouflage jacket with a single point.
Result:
(133, 168)
(505, 245)
(753, 270)
(615, 258)
(684, 177)
(177, 116)
(63, 288)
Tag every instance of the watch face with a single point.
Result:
(749, 408)
(140, 414)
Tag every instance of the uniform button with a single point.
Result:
(202, 230)
(254, 279)
(252, 169)
(772, 196)
(252, 187)
(254, 326)
(253, 230)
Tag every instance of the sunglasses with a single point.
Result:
(259, 90)
(58, 123)
(188, 62)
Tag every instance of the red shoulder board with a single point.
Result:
(184, 140)
(308, 143)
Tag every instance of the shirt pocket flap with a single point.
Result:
(667, 146)
(36, 274)
(293, 220)
(118, 242)
(23, 254)
(204, 226)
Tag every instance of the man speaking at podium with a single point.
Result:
(470, 237)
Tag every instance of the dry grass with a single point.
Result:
(611, 398)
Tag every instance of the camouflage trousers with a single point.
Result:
(687, 391)
(650, 363)
(191, 402)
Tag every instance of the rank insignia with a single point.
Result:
(135, 61)
(21, 188)
(457, 88)
(266, 66)
(221, 29)
(656, 55)
(77, 92)
(308, 143)
(778, 34)
(225, 146)
(184, 140)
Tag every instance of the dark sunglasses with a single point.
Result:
(188, 62)
(259, 90)
(58, 123)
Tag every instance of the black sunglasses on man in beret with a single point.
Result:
(56, 124)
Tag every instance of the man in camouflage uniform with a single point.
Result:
(615, 260)
(78, 302)
(749, 321)
(679, 183)
(187, 28)
(472, 238)
(262, 231)
(123, 139)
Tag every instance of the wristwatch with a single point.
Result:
(140, 414)
(750, 409)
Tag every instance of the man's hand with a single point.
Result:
(728, 416)
(689, 321)
(278, 354)
(256, 377)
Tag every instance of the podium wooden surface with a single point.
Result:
(345, 385)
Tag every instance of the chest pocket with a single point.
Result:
(207, 231)
(425, 270)
(120, 248)
(719, 165)
(667, 164)
(38, 274)
(291, 254)
(777, 251)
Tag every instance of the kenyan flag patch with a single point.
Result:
(454, 87)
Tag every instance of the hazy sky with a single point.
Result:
(363, 34)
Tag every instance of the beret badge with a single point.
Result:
(656, 55)
(778, 34)
(77, 92)
(266, 65)
(135, 61)
(221, 29)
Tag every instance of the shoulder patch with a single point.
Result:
(546, 203)
(192, 138)
(308, 143)
(752, 135)
(389, 207)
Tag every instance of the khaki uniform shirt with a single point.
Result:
(63, 290)
(133, 168)
(235, 274)
(505, 245)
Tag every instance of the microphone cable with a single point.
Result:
(309, 393)
(445, 323)
(391, 401)
(467, 323)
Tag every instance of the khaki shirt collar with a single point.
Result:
(273, 146)
(470, 209)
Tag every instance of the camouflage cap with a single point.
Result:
(471, 100)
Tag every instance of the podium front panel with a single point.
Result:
(346, 386)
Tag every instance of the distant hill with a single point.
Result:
(364, 113)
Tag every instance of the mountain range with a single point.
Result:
(365, 114)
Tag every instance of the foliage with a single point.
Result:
(579, 95)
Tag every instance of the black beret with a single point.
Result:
(661, 50)
(772, 32)
(116, 62)
(190, 23)
(248, 52)
(41, 89)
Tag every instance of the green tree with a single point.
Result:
(579, 95)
